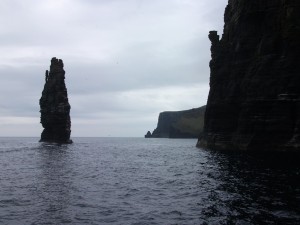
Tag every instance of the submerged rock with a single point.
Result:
(54, 106)
(254, 98)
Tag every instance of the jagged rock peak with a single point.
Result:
(148, 135)
(54, 105)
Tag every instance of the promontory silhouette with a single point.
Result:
(254, 98)
(54, 105)
(179, 124)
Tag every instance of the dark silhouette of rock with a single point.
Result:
(148, 135)
(54, 106)
(254, 98)
(179, 124)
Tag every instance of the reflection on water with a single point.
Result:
(54, 183)
(144, 181)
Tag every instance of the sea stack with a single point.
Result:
(254, 98)
(54, 105)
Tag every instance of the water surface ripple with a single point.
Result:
(143, 181)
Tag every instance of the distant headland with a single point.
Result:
(54, 106)
(179, 124)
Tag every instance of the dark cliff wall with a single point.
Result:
(179, 124)
(54, 105)
(254, 98)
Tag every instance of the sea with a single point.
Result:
(144, 181)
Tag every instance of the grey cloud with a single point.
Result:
(125, 61)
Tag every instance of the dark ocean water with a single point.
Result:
(143, 181)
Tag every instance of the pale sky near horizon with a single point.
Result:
(125, 61)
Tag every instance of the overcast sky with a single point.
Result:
(125, 61)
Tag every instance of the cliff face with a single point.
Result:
(54, 105)
(254, 98)
(179, 124)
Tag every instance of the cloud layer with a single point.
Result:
(125, 61)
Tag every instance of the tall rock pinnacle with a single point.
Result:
(254, 98)
(54, 106)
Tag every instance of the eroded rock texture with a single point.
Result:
(54, 105)
(254, 98)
